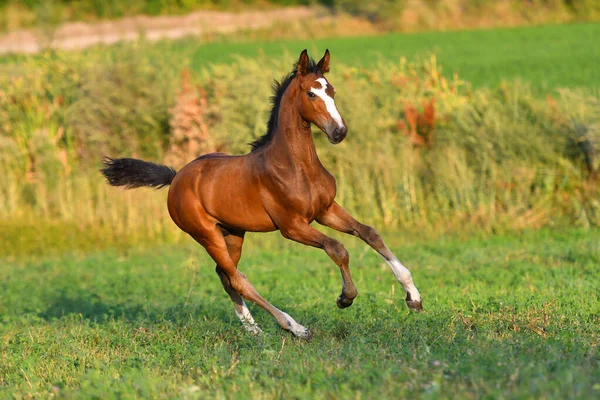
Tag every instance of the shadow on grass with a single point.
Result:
(97, 309)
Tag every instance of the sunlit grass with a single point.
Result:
(509, 316)
(544, 56)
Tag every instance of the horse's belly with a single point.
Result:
(244, 218)
(238, 206)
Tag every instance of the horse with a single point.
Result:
(279, 185)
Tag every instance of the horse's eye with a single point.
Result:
(310, 94)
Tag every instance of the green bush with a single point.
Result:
(122, 103)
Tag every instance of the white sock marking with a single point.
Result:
(297, 329)
(247, 320)
(405, 278)
(329, 102)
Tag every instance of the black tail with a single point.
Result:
(133, 173)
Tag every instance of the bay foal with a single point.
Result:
(280, 185)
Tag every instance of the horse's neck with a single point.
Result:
(293, 142)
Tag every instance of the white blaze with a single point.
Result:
(329, 103)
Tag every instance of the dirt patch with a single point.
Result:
(79, 35)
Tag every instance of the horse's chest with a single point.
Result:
(314, 195)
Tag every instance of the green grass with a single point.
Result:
(546, 56)
(506, 317)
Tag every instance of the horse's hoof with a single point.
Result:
(304, 335)
(415, 305)
(297, 330)
(342, 302)
(253, 329)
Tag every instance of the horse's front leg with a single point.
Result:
(337, 218)
(300, 231)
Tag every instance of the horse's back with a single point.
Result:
(225, 188)
(212, 155)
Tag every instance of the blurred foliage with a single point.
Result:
(431, 153)
(388, 14)
(375, 10)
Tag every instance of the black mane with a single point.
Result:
(279, 89)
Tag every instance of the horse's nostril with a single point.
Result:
(337, 134)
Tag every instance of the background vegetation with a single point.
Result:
(436, 153)
(387, 14)
(546, 58)
(475, 153)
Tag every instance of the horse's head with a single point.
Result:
(316, 97)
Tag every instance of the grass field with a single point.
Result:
(506, 317)
(546, 56)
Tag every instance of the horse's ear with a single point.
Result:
(303, 63)
(323, 65)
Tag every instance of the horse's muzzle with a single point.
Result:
(338, 135)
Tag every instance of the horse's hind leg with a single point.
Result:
(337, 218)
(234, 247)
(214, 243)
